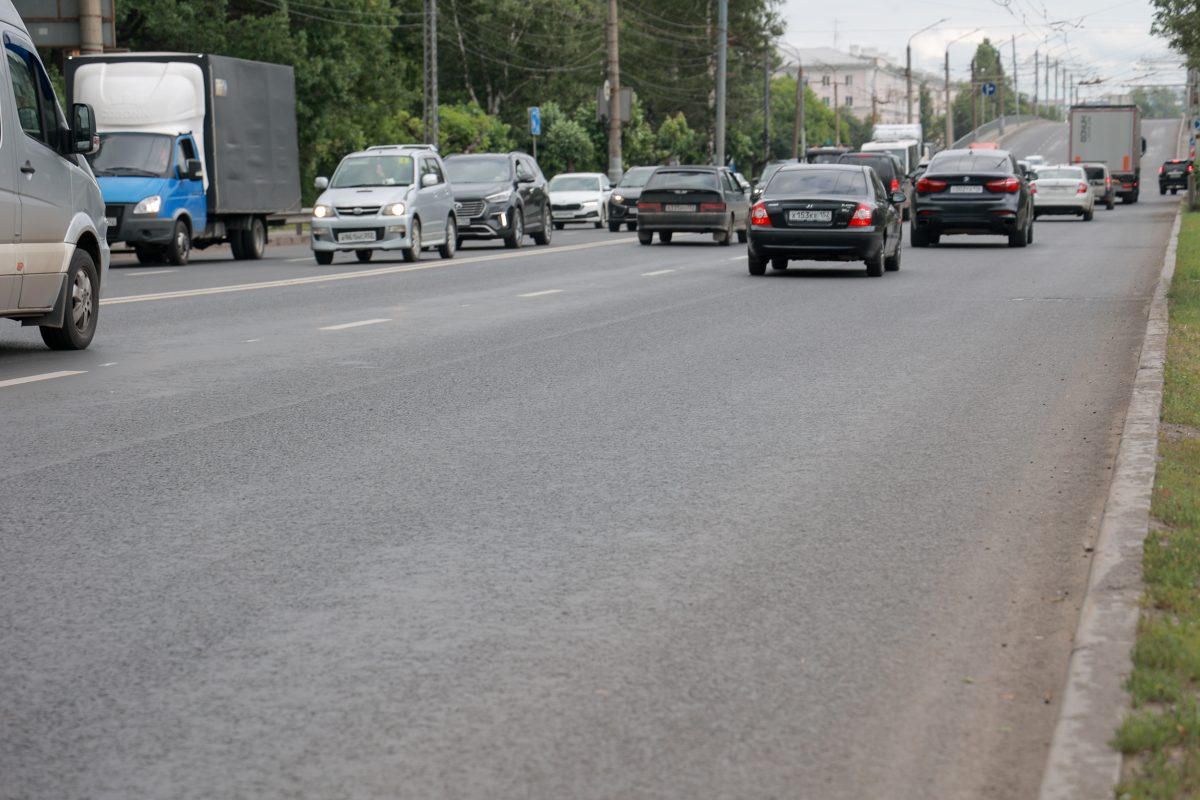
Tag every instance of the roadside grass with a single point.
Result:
(1161, 736)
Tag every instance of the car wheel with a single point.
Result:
(448, 249)
(631, 226)
(892, 263)
(413, 253)
(1019, 237)
(875, 263)
(1110, 204)
(645, 237)
(919, 237)
(725, 237)
(82, 308)
(181, 244)
(516, 237)
(1162, 190)
(254, 240)
(755, 264)
(779, 262)
(665, 236)
(542, 237)
(1029, 234)
(743, 237)
(613, 227)
(1174, 190)
(935, 238)
(324, 258)
(600, 223)
(364, 255)
(148, 255)
(1088, 215)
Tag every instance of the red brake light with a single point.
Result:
(895, 185)
(711, 207)
(1107, 182)
(863, 216)
(1007, 185)
(1160, 170)
(1189, 167)
(759, 216)
(1083, 189)
(930, 186)
(649, 206)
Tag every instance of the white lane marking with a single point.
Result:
(47, 376)
(248, 341)
(541, 294)
(109, 364)
(656, 272)
(343, 276)
(358, 324)
(295, 260)
(140, 274)
(737, 258)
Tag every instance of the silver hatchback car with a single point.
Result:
(391, 197)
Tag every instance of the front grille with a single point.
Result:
(566, 207)
(357, 211)
(116, 214)
(468, 209)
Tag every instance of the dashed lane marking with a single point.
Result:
(46, 376)
(140, 274)
(541, 294)
(656, 272)
(358, 324)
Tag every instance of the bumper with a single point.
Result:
(588, 215)
(654, 221)
(622, 213)
(1172, 183)
(1063, 205)
(124, 226)
(490, 224)
(816, 244)
(385, 233)
(996, 217)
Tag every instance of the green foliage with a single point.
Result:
(567, 146)
(677, 143)
(1157, 103)
(1178, 21)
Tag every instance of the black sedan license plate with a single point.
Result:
(810, 216)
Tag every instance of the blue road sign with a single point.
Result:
(535, 121)
(1196, 124)
(988, 89)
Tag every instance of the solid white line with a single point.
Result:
(248, 341)
(150, 272)
(109, 364)
(541, 294)
(295, 260)
(359, 324)
(366, 273)
(656, 272)
(47, 376)
(737, 258)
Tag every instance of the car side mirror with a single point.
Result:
(192, 169)
(526, 179)
(83, 130)
(428, 179)
(1143, 145)
(321, 183)
(899, 198)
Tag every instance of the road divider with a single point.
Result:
(364, 273)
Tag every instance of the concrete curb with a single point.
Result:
(1081, 763)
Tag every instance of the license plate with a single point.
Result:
(1175, 174)
(112, 221)
(966, 190)
(810, 216)
(678, 207)
(356, 236)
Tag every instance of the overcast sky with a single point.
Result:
(1106, 39)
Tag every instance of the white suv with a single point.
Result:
(386, 198)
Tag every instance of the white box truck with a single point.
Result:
(1110, 135)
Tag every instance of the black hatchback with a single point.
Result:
(972, 192)
(1173, 175)
(826, 212)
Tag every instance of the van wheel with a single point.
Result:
(323, 258)
(364, 255)
(448, 249)
(82, 307)
(413, 253)
(254, 240)
(181, 244)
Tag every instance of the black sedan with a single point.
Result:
(693, 200)
(973, 192)
(826, 212)
(622, 203)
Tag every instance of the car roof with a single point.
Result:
(826, 167)
(690, 168)
(963, 151)
(581, 175)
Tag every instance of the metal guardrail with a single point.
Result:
(996, 127)
(298, 219)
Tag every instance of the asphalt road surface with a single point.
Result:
(591, 521)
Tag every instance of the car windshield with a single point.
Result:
(636, 177)
(824, 158)
(971, 161)
(478, 170)
(1060, 173)
(373, 171)
(817, 182)
(682, 179)
(574, 183)
(144, 154)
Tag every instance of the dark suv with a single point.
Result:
(622, 203)
(890, 172)
(1173, 175)
(500, 196)
(974, 192)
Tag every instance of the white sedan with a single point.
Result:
(579, 197)
(1062, 189)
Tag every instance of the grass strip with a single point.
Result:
(1160, 737)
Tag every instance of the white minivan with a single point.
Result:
(53, 253)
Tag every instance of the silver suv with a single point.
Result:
(390, 197)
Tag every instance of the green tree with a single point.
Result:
(1178, 21)
(677, 142)
(1157, 103)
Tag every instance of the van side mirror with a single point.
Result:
(83, 130)
(192, 170)
(1143, 145)
(428, 179)
(321, 183)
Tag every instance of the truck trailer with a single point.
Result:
(195, 150)
(1110, 135)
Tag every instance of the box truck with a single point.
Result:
(195, 150)
(1110, 135)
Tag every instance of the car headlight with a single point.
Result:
(149, 205)
(320, 212)
(499, 197)
(616, 198)
(394, 210)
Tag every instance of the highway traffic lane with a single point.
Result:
(1048, 139)
(727, 599)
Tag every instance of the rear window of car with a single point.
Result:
(1094, 173)
(881, 164)
(973, 161)
(636, 177)
(1058, 173)
(818, 182)
(682, 179)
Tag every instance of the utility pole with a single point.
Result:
(722, 41)
(1056, 95)
(837, 114)
(949, 111)
(1035, 82)
(434, 112)
(799, 137)
(1016, 81)
(615, 168)
(975, 94)
(767, 102)
(91, 31)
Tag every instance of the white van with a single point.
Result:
(53, 253)
(907, 150)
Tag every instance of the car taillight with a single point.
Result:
(1107, 182)
(712, 207)
(1160, 170)
(649, 206)
(1083, 189)
(1189, 167)
(1008, 185)
(895, 185)
(759, 216)
(928, 186)
(863, 216)
(1033, 188)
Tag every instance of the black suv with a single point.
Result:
(974, 192)
(1173, 175)
(890, 172)
(622, 203)
(499, 196)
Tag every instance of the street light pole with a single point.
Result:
(949, 111)
(908, 64)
